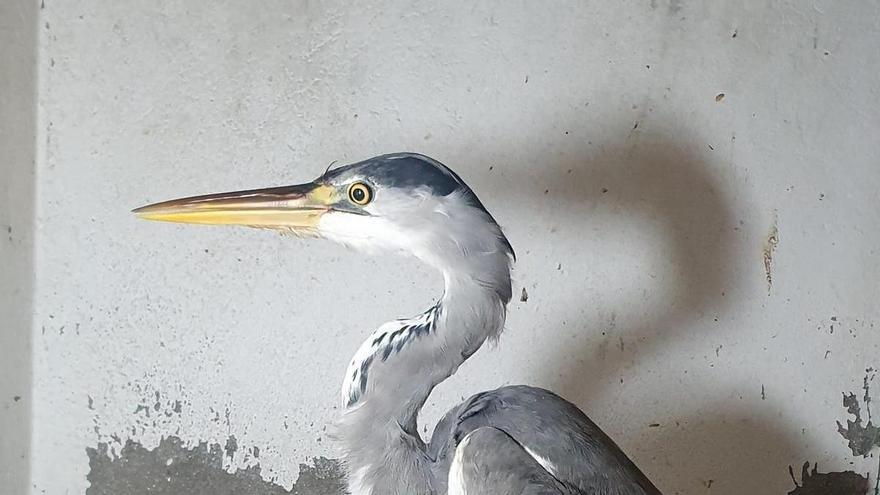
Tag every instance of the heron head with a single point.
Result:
(402, 202)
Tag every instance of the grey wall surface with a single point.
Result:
(18, 148)
(691, 189)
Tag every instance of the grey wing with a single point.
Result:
(488, 461)
(568, 444)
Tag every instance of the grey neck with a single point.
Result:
(403, 361)
(467, 315)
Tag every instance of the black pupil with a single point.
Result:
(359, 194)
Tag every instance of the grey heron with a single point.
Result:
(512, 440)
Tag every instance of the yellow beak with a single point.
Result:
(297, 208)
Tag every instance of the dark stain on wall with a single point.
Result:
(862, 438)
(173, 469)
(816, 483)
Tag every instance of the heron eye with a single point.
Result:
(360, 193)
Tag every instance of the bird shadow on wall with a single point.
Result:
(731, 450)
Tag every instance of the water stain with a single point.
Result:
(172, 469)
(816, 483)
(770, 244)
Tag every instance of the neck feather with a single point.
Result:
(397, 367)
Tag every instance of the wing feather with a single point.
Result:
(555, 434)
(488, 461)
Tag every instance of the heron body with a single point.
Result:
(512, 440)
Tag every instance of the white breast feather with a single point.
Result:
(456, 471)
(357, 484)
(547, 465)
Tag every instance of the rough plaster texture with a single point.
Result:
(691, 188)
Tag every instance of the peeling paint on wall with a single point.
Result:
(816, 483)
(172, 469)
(862, 438)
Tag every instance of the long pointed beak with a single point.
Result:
(297, 208)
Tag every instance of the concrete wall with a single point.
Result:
(691, 188)
(18, 148)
